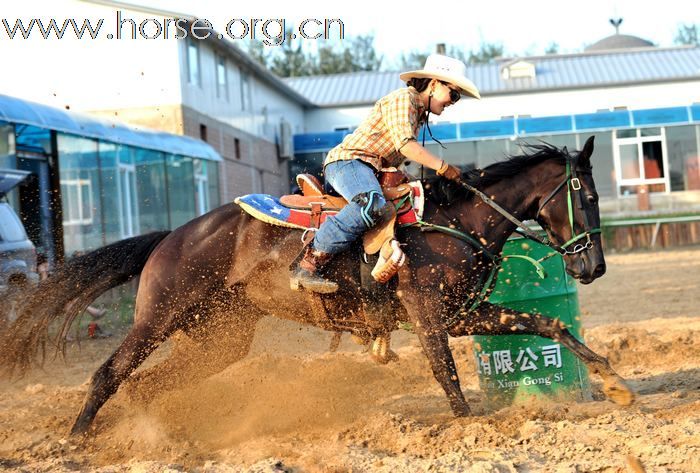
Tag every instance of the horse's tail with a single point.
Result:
(66, 294)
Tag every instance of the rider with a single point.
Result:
(386, 138)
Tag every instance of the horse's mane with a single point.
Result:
(443, 191)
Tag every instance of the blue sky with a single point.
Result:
(521, 26)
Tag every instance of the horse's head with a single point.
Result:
(568, 211)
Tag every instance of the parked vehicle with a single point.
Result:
(17, 252)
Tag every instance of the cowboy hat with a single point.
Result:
(447, 69)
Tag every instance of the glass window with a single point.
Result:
(213, 178)
(221, 78)
(683, 145)
(650, 131)
(7, 145)
(111, 193)
(629, 161)
(193, 76)
(11, 229)
(640, 164)
(201, 186)
(626, 133)
(245, 91)
(8, 159)
(150, 188)
(80, 193)
(181, 197)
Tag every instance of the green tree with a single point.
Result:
(413, 60)
(486, 53)
(687, 34)
(289, 59)
(256, 50)
(364, 55)
(553, 48)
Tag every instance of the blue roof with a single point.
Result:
(553, 72)
(15, 110)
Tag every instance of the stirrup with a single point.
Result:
(302, 278)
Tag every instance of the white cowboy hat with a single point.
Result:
(445, 68)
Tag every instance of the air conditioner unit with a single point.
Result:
(286, 143)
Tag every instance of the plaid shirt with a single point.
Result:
(394, 121)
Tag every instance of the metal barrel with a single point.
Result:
(525, 368)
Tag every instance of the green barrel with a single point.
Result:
(523, 368)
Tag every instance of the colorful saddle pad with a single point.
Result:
(269, 209)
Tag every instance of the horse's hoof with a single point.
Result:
(462, 411)
(617, 391)
(385, 358)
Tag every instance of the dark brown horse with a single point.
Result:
(216, 276)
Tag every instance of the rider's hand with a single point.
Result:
(450, 172)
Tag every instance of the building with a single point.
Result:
(207, 89)
(93, 182)
(641, 102)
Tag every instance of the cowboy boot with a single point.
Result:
(306, 273)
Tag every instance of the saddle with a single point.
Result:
(309, 210)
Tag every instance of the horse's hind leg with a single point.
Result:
(221, 339)
(489, 319)
(143, 338)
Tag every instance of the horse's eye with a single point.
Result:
(592, 199)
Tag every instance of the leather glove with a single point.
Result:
(450, 172)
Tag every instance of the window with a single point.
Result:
(245, 91)
(640, 161)
(683, 144)
(201, 186)
(221, 78)
(78, 207)
(81, 193)
(203, 132)
(237, 146)
(193, 76)
(181, 201)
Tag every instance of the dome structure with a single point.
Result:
(619, 41)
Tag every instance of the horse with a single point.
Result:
(217, 275)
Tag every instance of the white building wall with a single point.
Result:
(533, 104)
(265, 106)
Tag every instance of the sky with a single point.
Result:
(522, 27)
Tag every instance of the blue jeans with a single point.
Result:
(348, 178)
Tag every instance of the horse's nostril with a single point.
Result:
(599, 270)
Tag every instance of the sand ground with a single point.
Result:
(293, 406)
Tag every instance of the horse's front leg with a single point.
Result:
(433, 338)
(490, 319)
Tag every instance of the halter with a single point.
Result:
(573, 183)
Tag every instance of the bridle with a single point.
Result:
(572, 183)
(575, 193)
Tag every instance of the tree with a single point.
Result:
(486, 52)
(290, 59)
(553, 48)
(413, 60)
(687, 34)
(364, 55)
(256, 50)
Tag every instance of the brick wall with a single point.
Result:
(256, 168)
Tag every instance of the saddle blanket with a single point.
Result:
(269, 209)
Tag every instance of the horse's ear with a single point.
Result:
(587, 151)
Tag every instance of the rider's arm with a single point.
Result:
(417, 153)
